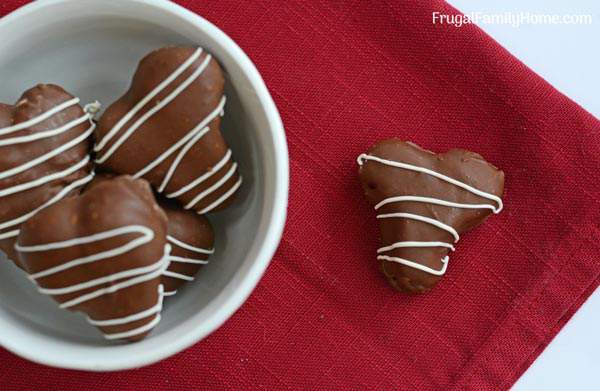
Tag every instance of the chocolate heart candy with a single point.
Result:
(191, 238)
(166, 130)
(44, 156)
(102, 253)
(424, 202)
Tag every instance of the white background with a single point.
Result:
(568, 57)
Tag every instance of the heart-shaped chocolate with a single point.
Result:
(102, 253)
(166, 129)
(44, 156)
(424, 202)
(191, 238)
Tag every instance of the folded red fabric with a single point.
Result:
(345, 75)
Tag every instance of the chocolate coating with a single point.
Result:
(33, 103)
(190, 228)
(380, 182)
(107, 205)
(170, 124)
(185, 226)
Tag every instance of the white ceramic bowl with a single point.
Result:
(91, 48)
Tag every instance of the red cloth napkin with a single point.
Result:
(345, 75)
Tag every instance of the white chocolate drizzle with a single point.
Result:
(176, 242)
(424, 219)
(119, 280)
(155, 310)
(44, 158)
(189, 247)
(182, 146)
(180, 276)
(193, 261)
(40, 118)
(223, 198)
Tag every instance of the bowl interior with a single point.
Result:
(91, 48)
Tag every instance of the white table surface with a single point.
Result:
(568, 57)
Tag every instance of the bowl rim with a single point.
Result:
(275, 219)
